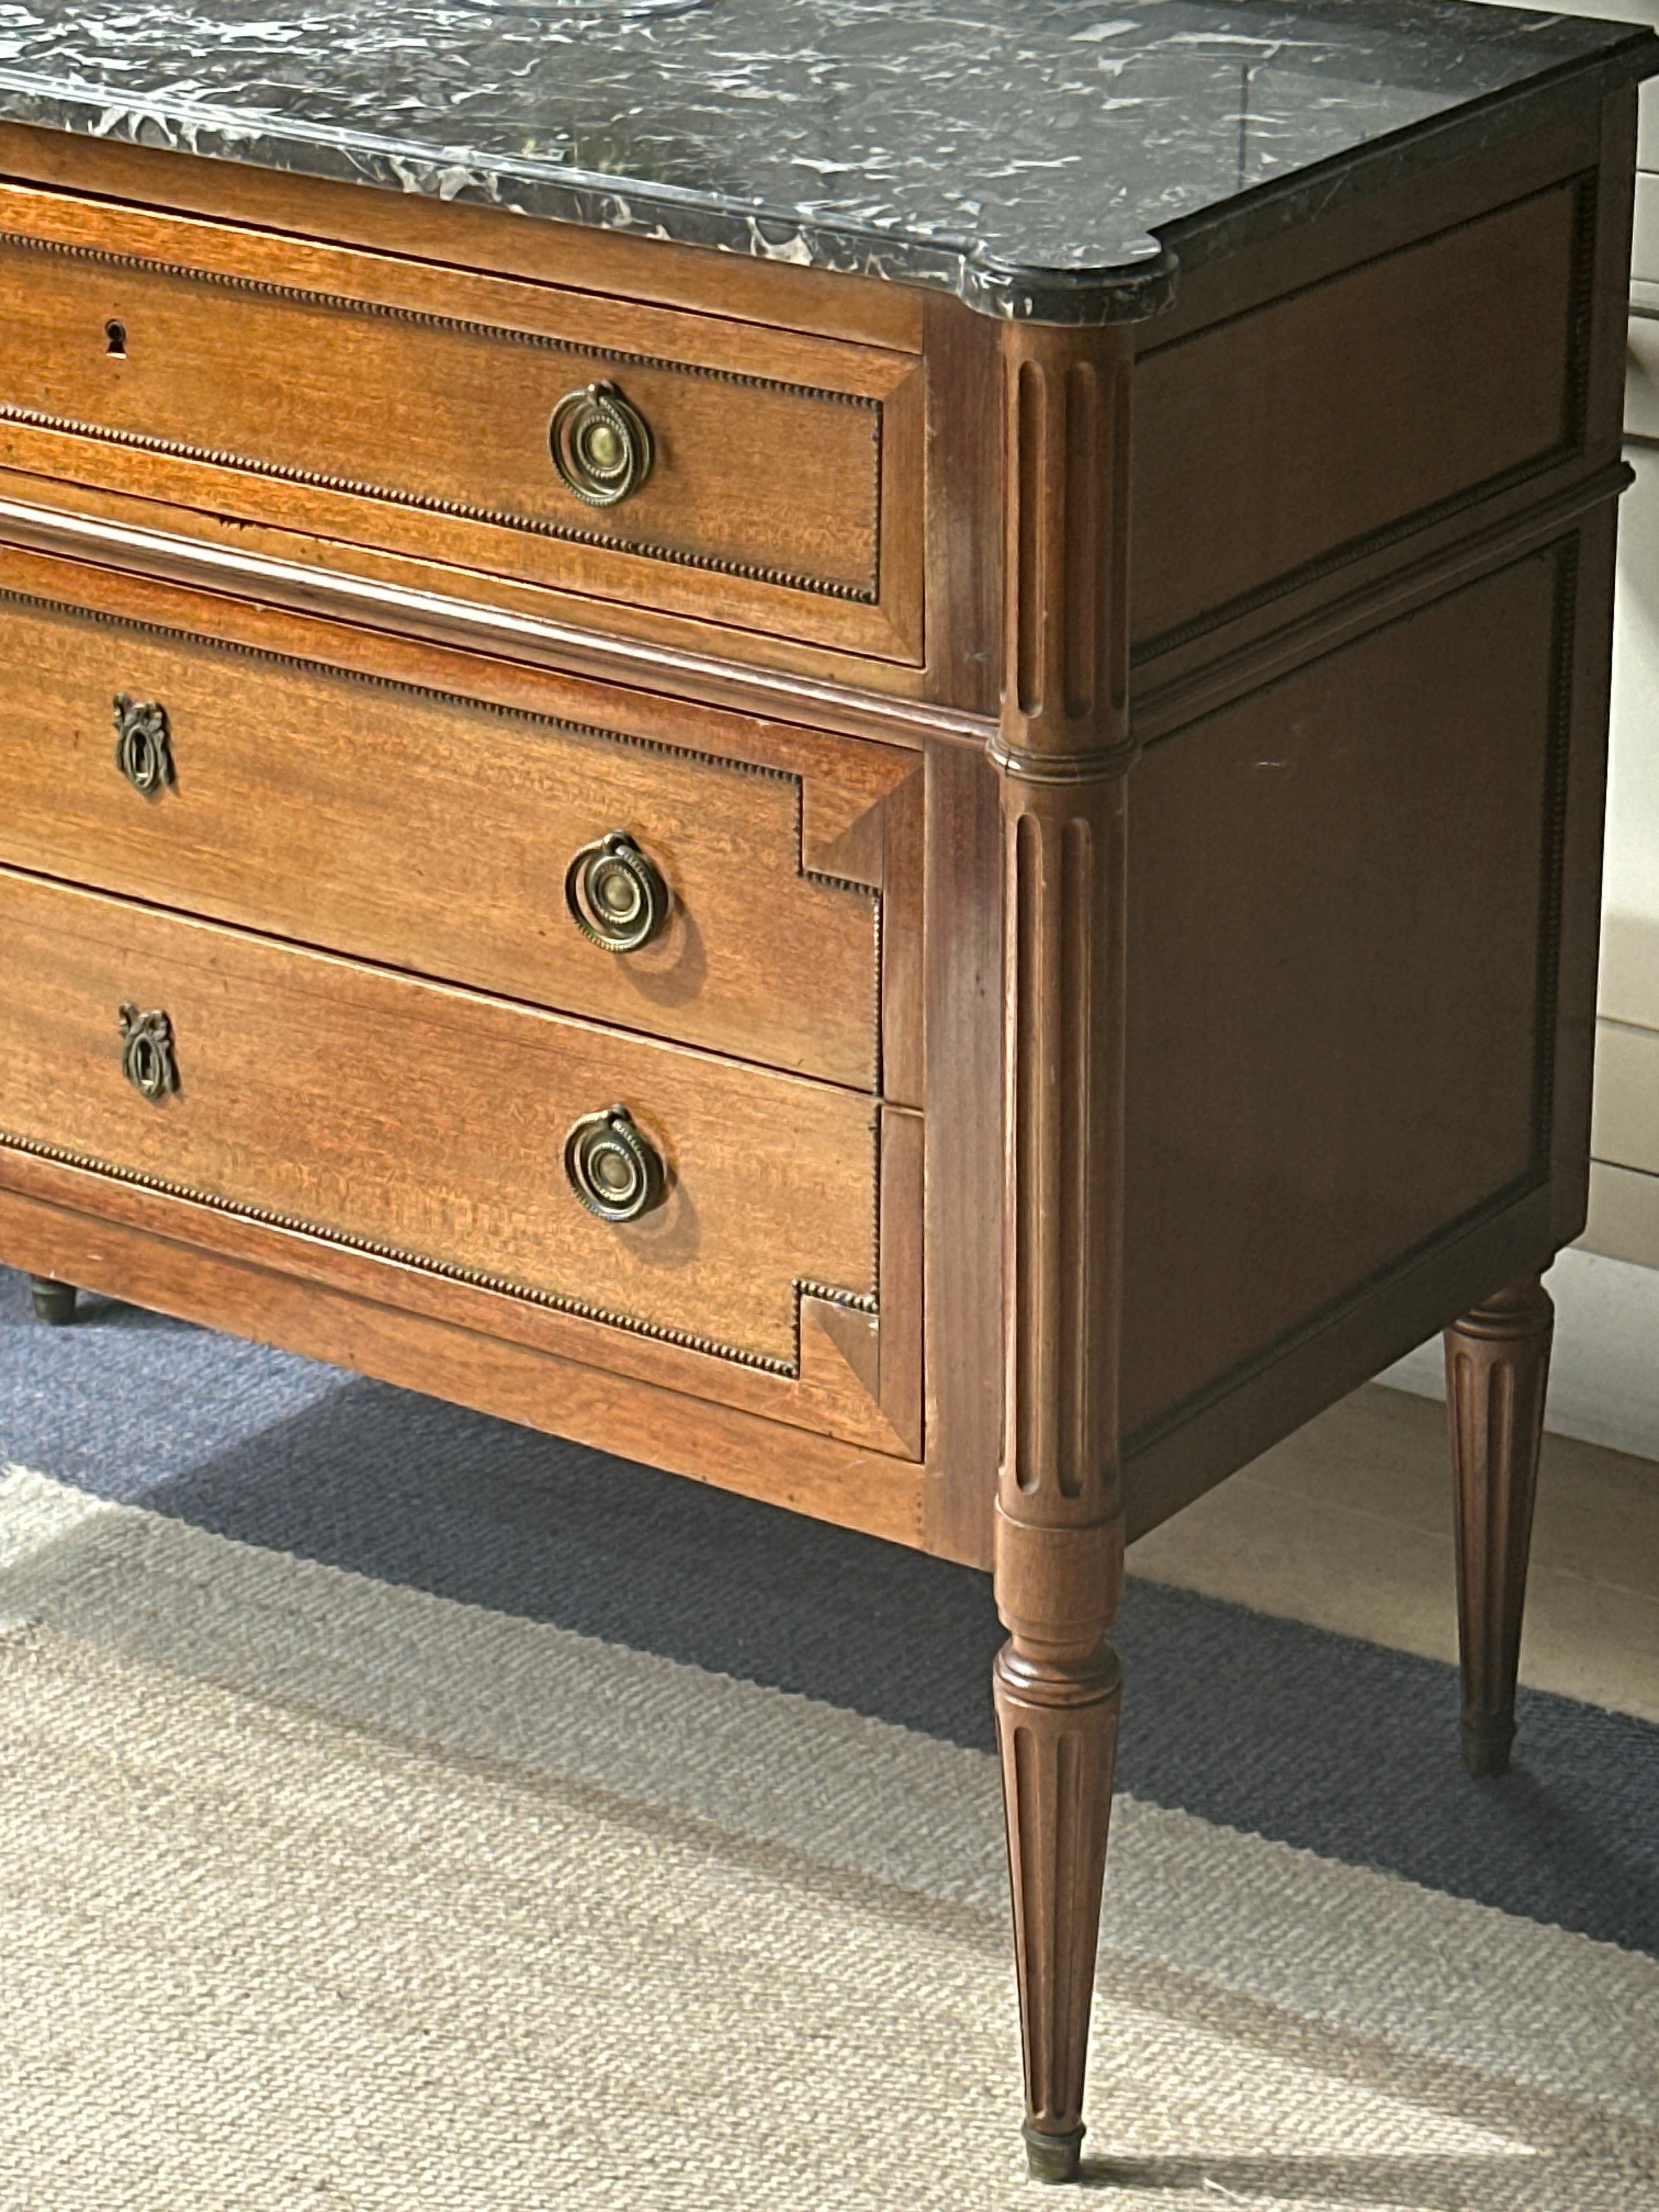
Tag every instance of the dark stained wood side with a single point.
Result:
(1337, 1035)
(1387, 1311)
(1300, 427)
(1583, 794)
(1577, 917)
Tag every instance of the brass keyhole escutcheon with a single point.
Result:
(601, 445)
(147, 1060)
(613, 1169)
(615, 895)
(144, 744)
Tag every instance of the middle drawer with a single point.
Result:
(448, 835)
(664, 1191)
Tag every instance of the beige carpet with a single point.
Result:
(323, 1893)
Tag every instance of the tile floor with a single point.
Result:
(1347, 1525)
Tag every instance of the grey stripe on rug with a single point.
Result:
(316, 1880)
(382, 1828)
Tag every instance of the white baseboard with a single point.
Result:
(1604, 1370)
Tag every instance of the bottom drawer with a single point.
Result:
(434, 1125)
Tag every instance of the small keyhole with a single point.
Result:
(116, 332)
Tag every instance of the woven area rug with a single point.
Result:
(401, 1810)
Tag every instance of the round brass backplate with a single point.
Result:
(613, 1169)
(615, 897)
(601, 445)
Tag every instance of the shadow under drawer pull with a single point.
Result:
(615, 895)
(601, 446)
(614, 1171)
(146, 1058)
(143, 745)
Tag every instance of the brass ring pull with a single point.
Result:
(612, 1170)
(146, 1058)
(615, 895)
(143, 744)
(601, 445)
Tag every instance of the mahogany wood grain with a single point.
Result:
(616, 1414)
(1497, 1370)
(1168, 1462)
(883, 1350)
(1166, 1465)
(561, 632)
(964, 507)
(381, 401)
(1177, 689)
(826, 1394)
(293, 782)
(297, 1073)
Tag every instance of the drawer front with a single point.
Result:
(412, 408)
(415, 827)
(428, 1125)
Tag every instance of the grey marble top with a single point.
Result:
(1046, 158)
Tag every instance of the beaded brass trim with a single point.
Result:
(471, 1278)
(749, 572)
(101, 615)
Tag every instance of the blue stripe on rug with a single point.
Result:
(1284, 1731)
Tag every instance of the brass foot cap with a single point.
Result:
(1486, 1747)
(54, 1302)
(1053, 2158)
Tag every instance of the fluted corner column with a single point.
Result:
(1498, 1360)
(1063, 752)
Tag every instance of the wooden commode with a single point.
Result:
(896, 805)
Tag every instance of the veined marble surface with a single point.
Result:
(1039, 157)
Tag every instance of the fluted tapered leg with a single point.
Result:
(1497, 1369)
(54, 1302)
(1057, 1727)
(1065, 755)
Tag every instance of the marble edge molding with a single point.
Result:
(1471, 129)
(1129, 291)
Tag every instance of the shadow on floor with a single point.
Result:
(1266, 1725)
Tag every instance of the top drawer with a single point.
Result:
(768, 478)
